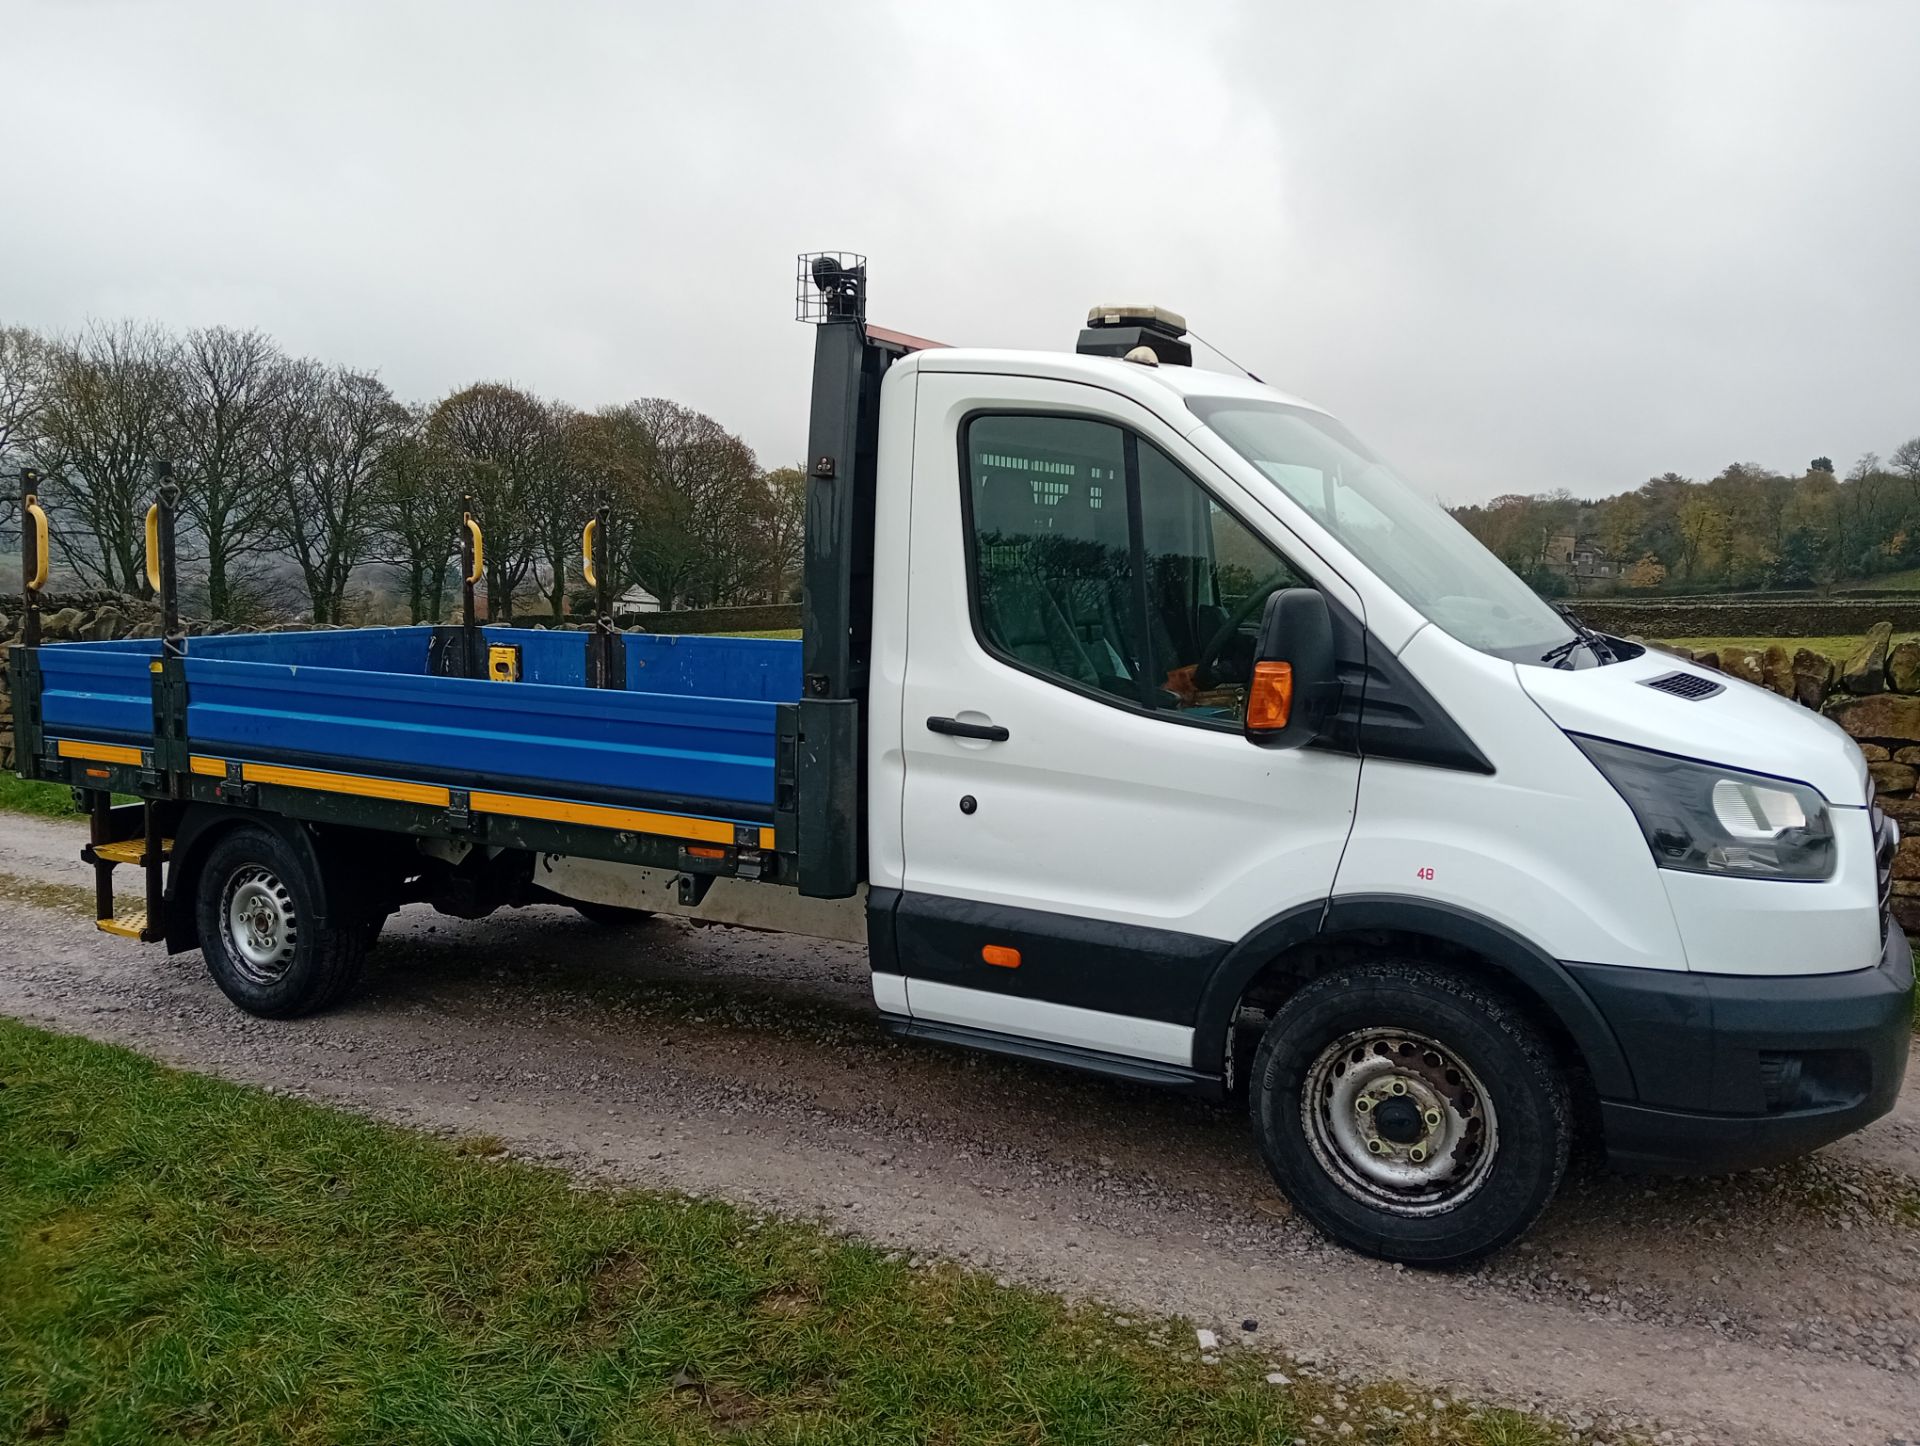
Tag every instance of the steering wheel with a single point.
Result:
(1203, 674)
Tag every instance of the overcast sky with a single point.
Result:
(1520, 246)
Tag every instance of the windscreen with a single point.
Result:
(1407, 540)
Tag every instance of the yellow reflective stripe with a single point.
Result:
(510, 805)
(600, 815)
(100, 752)
(357, 784)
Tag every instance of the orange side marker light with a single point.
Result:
(1001, 955)
(1270, 699)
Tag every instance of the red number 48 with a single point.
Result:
(1426, 874)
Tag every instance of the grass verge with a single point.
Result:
(186, 1259)
(46, 800)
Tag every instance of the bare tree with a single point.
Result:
(23, 388)
(494, 436)
(1905, 462)
(416, 509)
(612, 451)
(225, 407)
(331, 434)
(721, 477)
(691, 501)
(109, 404)
(559, 492)
(784, 530)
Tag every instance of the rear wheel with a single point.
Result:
(611, 916)
(1410, 1113)
(258, 904)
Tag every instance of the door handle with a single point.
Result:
(954, 728)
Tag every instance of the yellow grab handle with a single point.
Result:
(153, 547)
(41, 561)
(588, 536)
(479, 550)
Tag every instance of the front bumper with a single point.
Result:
(1735, 1071)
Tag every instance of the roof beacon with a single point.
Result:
(1125, 331)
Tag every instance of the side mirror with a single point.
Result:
(1295, 686)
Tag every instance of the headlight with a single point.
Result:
(1712, 820)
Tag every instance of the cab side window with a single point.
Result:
(1099, 564)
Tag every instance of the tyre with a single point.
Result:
(611, 916)
(1410, 1113)
(257, 903)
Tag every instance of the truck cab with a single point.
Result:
(1513, 870)
(1144, 722)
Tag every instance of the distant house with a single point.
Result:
(1580, 560)
(636, 599)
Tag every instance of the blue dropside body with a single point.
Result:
(695, 723)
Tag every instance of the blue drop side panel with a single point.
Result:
(697, 719)
(556, 658)
(683, 663)
(767, 669)
(96, 690)
(369, 650)
(700, 747)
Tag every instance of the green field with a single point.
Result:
(182, 1259)
(1906, 580)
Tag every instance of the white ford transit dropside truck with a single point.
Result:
(1145, 721)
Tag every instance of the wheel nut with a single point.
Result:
(1417, 1153)
(1398, 1087)
(1432, 1117)
(1376, 1147)
(1363, 1104)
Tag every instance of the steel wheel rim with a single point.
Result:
(1399, 1122)
(263, 929)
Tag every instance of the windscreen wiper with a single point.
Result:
(1583, 636)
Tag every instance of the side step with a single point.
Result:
(109, 848)
(133, 851)
(133, 927)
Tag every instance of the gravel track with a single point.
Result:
(1781, 1306)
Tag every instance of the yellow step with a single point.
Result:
(133, 926)
(133, 851)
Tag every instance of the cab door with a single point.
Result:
(1085, 831)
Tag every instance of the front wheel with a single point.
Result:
(258, 905)
(1410, 1113)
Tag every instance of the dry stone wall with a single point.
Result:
(765, 618)
(1874, 694)
(1756, 617)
